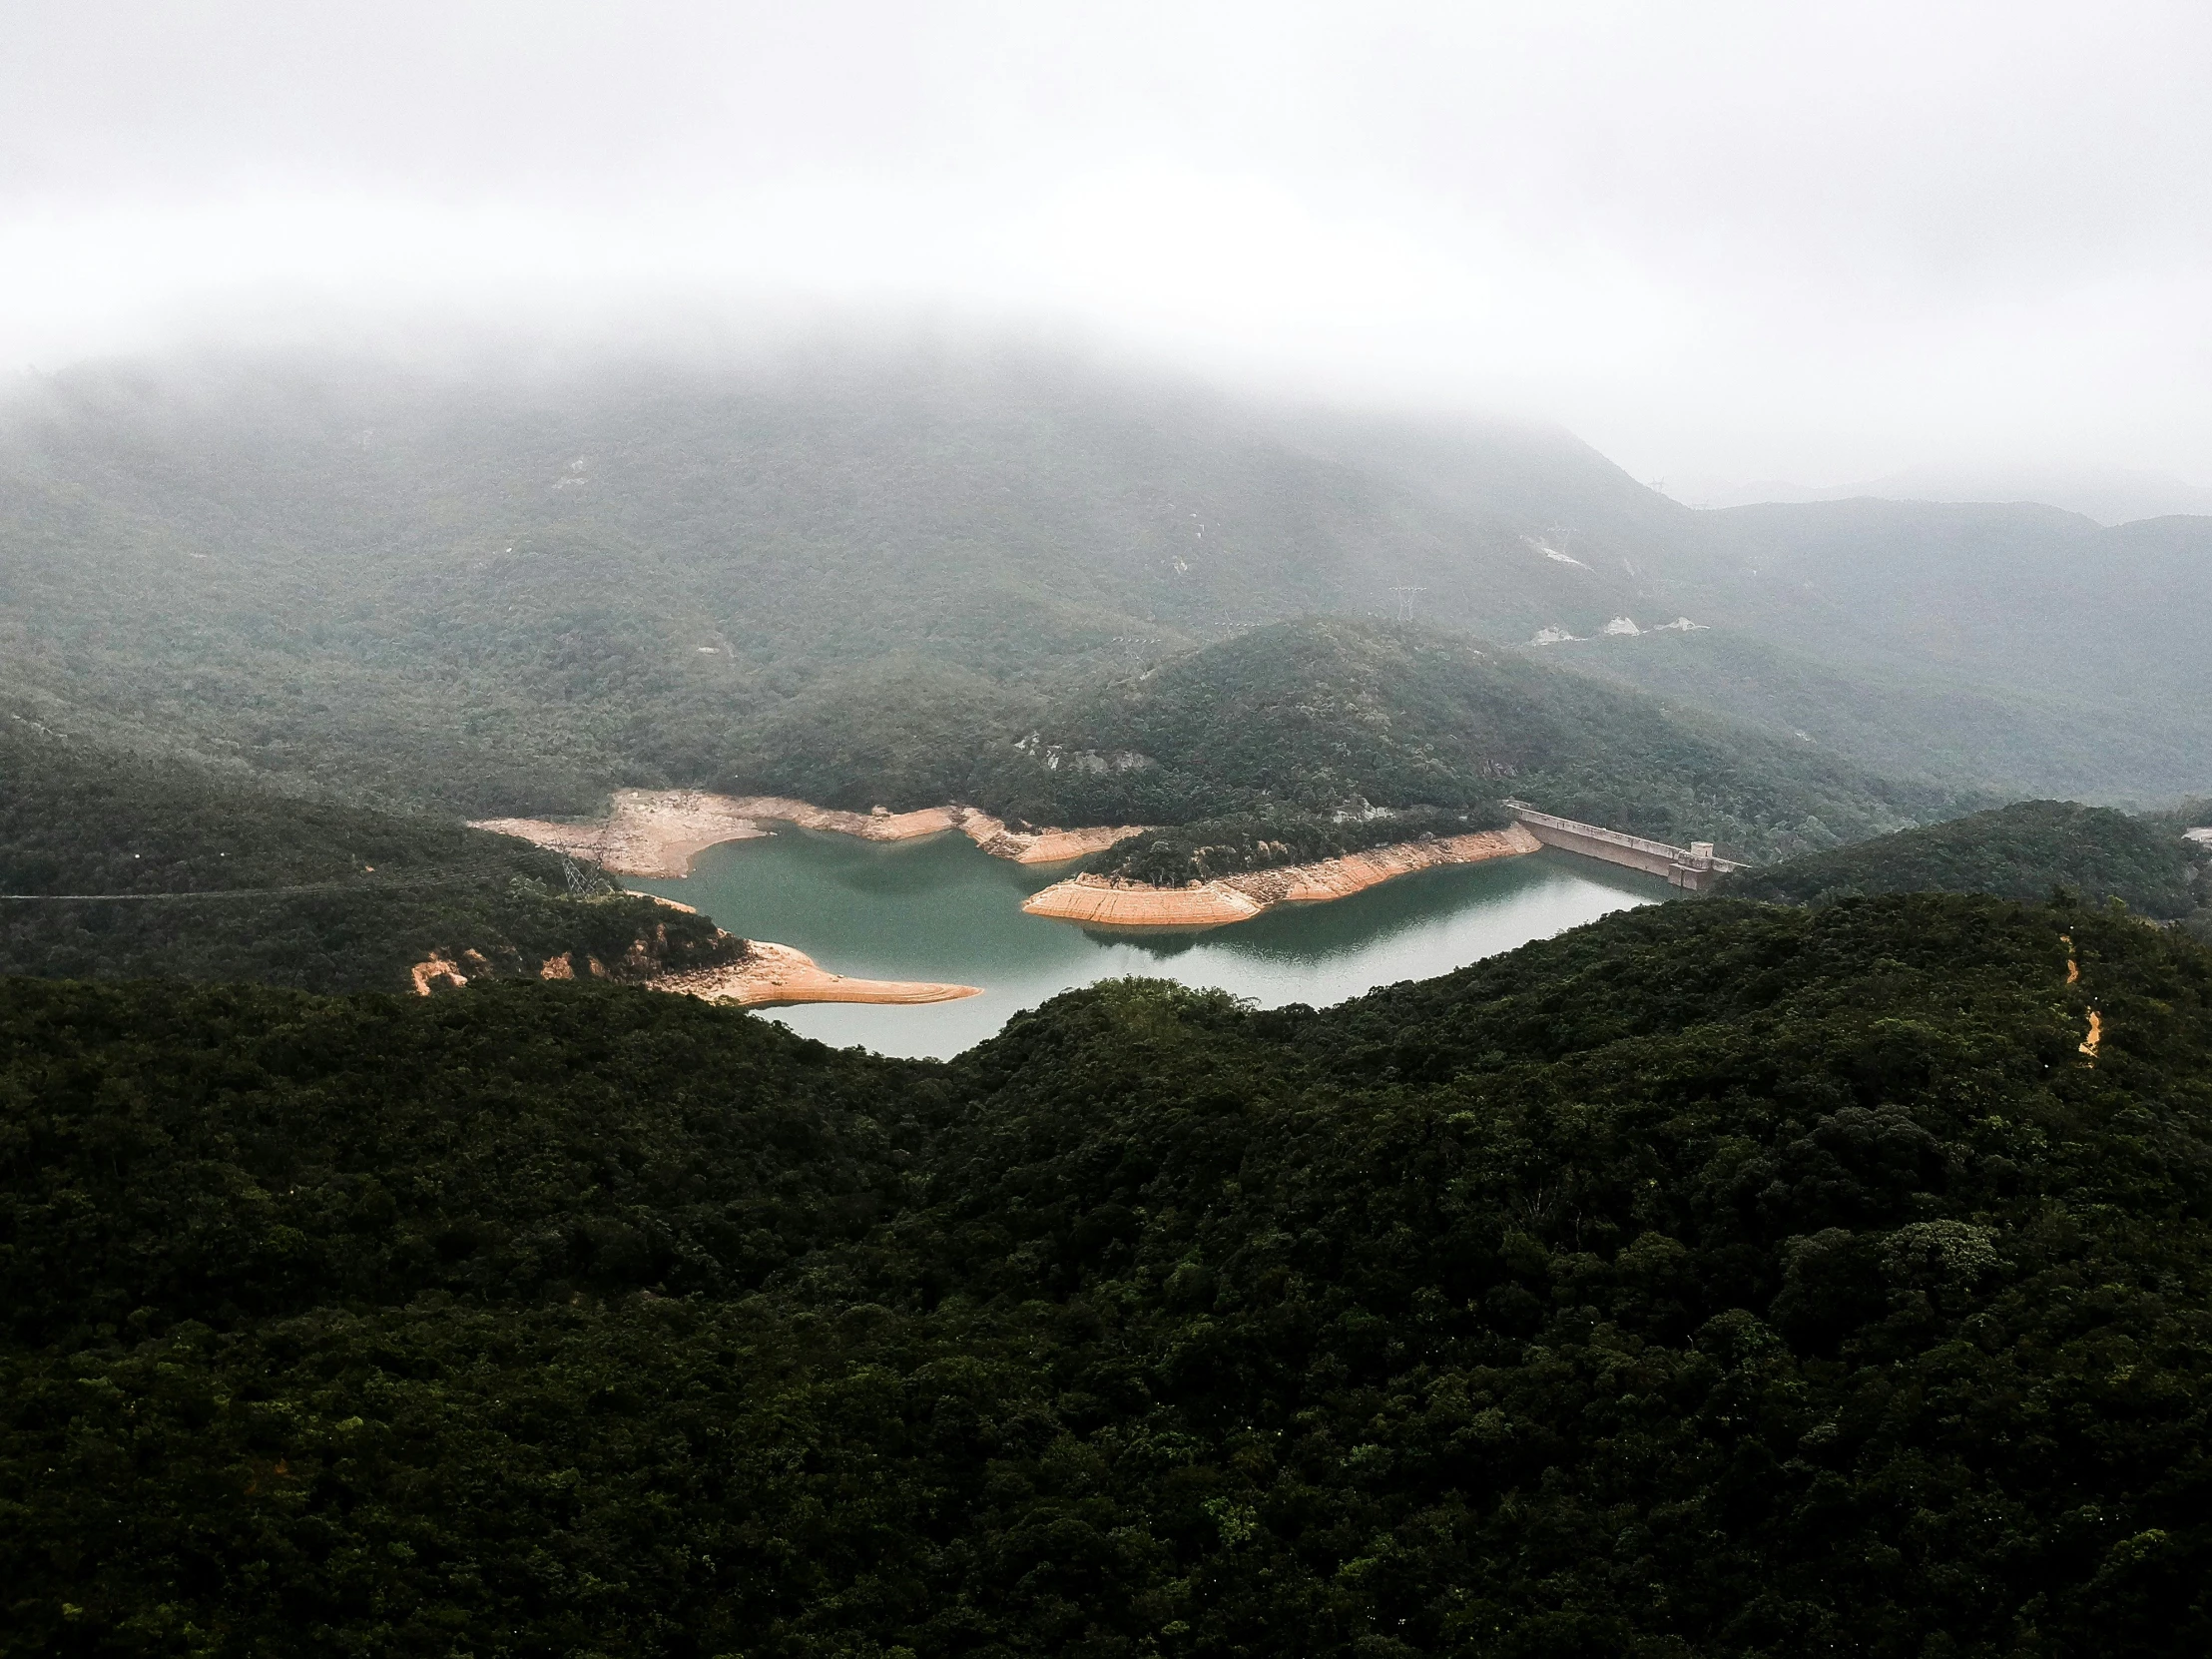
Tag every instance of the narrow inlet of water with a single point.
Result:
(941, 909)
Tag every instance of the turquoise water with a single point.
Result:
(941, 909)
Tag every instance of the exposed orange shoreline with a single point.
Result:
(659, 832)
(774, 974)
(1102, 902)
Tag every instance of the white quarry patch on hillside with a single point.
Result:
(1621, 627)
(1551, 552)
(2204, 836)
(1054, 755)
(1359, 811)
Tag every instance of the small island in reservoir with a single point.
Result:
(1103, 901)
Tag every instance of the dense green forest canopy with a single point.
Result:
(1717, 1280)
(2182, 817)
(123, 866)
(510, 590)
(2019, 851)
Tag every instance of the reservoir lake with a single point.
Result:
(943, 909)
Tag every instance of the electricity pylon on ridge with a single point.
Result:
(1406, 602)
(589, 880)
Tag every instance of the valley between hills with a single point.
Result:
(1813, 1254)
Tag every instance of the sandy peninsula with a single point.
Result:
(767, 974)
(771, 974)
(657, 832)
(1102, 902)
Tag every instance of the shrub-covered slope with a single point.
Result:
(1716, 1279)
(210, 874)
(2019, 851)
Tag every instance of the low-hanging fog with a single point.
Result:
(1728, 244)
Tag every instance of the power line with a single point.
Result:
(454, 877)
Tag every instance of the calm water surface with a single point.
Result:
(943, 909)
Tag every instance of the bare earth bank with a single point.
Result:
(771, 974)
(659, 831)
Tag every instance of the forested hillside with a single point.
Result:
(1311, 738)
(1334, 720)
(2019, 851)
(506, 594)
(1717, 1280)
(509, 593)
(185, 872)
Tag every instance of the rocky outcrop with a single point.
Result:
(1105, 902)
(1042, 847)
(435, 970)
(653, 952)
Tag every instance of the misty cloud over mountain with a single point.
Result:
(1729, 241)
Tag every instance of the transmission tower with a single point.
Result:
(1406, 602)
(586, 875)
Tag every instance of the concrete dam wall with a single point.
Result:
(1692, 868)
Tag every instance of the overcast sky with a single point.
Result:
(1720, 240)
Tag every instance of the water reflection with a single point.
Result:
(1161, 942)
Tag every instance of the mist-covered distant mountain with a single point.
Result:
(2019, 645)
(2108, 495)
(508, 591)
